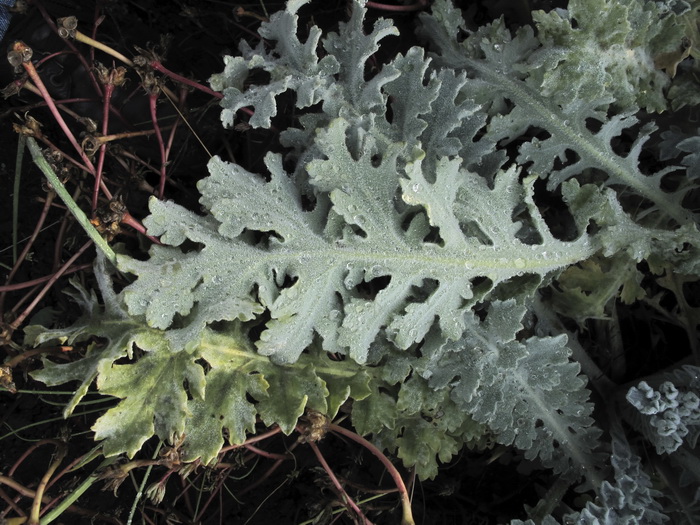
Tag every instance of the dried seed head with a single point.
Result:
(102, 72)
(67, 26)
(119, 76)
(19, 53)
(12, 89)
(14, 58)
(30, 127)
(316, 428)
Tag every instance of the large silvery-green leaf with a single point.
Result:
(304, 265)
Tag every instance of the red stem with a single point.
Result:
(30, 450)
(34, 282)
(31, 71)
(420, 4)
(265, 453)
(407, 518)
(20, 319)
(344, 495)
(27, 247)
(217, 490)
(109, 89)
(184, 80)
(129, 220)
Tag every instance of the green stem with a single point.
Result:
(75, 494)
(69, 202)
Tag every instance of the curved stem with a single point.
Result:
(344, 495)
(36, 505)
(80, 37)
(407, 518)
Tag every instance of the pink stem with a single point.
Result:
(33, 282)
(20, 319)
(405, 502)
(25, 250)
(129, 220)
(109, 89)
(420, 4)
(160, 67)
(344, 495)
(31, 71)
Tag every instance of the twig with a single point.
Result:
(27, 247)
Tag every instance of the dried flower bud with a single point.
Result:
(119, 76)
(111, 76)
(90, 124)
(140, 61)
(90, 145)
(102, 72)
(316, 428)
(156, 493)
(12, 89)
(30, 127)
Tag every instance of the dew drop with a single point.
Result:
(376, 270)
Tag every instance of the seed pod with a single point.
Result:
(67, 26)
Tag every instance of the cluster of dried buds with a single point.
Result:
(108, 218)
(67, 26)
(110, 76)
